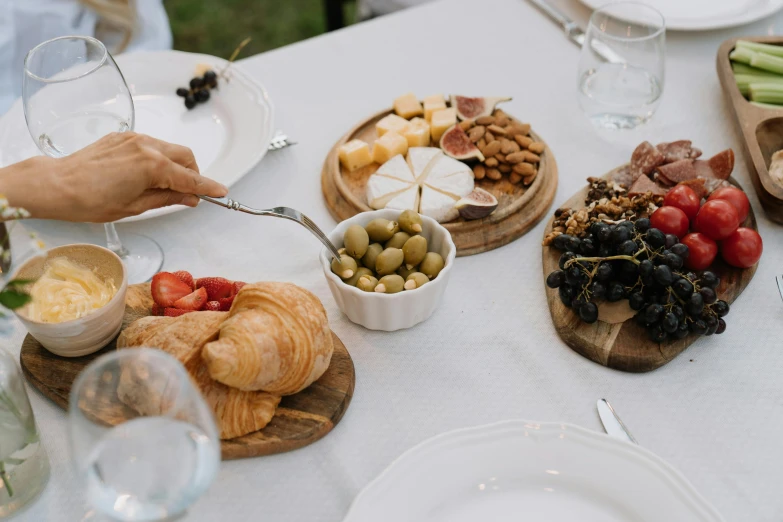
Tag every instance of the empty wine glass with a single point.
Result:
(144, 442)
(621, 68)
(74, 94)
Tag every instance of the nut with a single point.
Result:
(516, 129)
(489, 137)
(536, 147)
(479, 171)
(509, 147)
(529, 179)
(491, 162)
(516, 157)
(476, 133)
(531, 158)
(494, 174)
(501, 120)
(497, 131)
(505, 168)
(523, 141)
(514, 178)
(500, 157)
(481, 144)
(466, 124)
(490, 149)
(525, 169)
(485, 120)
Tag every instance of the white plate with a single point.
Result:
(702, 15)
(229, 134)
(518, 470)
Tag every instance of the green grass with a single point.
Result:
(217, 26)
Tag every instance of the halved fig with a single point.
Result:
(472, 108)
(456, 143)
(476, 205)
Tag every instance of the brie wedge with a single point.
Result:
(406, 200)
(419, 158)
(381, 190)
(396, 168)
(437, 205)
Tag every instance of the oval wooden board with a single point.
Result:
(299, 420)
(626, 346)
(519, 208)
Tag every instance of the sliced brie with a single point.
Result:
(381, 190)
(437, 205)
(406, 200)
(420, 157)
(457, 185)
(444, 167)
(396, 168)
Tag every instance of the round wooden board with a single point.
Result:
(519, 208)
(299, 420)
(626, 346)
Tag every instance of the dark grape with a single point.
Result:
(636, 301)
(210, 78)
(577, 302)
(712, 324)
(588, 312)
(555, 279)
(691, 276)
(627, 224)
(588, 247)
(663, 275)
(604, 250)
(708, 294)
(598, 289)
(573, 275)
(721, 308)
(681, 250)
(614, 292)
(621, 234)
(655, 238)
(629, 267)
(604, 233)
(673, 260)
(604, 272)
(646, 268)
(561, 241)
(627, 248)
(190, 101)
(652, 314)
(695, 305)
(699, 327)
(721, 327)
(573, 244)
(681, 332)
(202, 95)
(182, 92)
(670, 240)
(566, 293)
(565, 258)
(642, 225)
(683, 288)
(657, 334)
(670, 323)
(709, 279)
(678, 312)
(196, 83)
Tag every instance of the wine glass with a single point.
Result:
(74, 94)
(621, 68)
(144, 442)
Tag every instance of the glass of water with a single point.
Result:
(74, 94)
(621, 68)
(144, 442)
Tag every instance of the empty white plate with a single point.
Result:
(519, 470)
(229, 134)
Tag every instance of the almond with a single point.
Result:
(490, 149)
(466, 124)
(500, 157)
(497, 131)
(529, 179)
(536, 147)
(515, 129)
(485, 120)
(479, 171)
(525, 169)
(502, 120)
(523, 141)
(505, 168)
(491, 162)
(514, 178)
(489, 137)
(531, 158)
(516, 157)
(494, 174)
(476, 133)
(509, 147)
(481, 144)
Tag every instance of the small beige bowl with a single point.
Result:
(95, 330)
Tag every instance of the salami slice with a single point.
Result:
(722, 164)
(682, 170)
(675, 151)
(697, 185)
(695, 153)
(624, 177)
(645, 158)
(643, 185)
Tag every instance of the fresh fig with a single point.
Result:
(476, 205)
(472, 108)
(456, 143)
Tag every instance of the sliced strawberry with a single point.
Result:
(212, 306)
(157, 309)
(167, 288)
(238, 286)
(217, 287)
(193, 301)
(175, 312)
(186, 278)
(225, 303)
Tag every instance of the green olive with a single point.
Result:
(388, 261)
(368, 259)
(431, 265)
(346, 267)
(361, 271)
(356, 241)
(397, 240)
(390, 284)
(414, 250)
(416, 280)
(367, 283)
(404, 271)
(381, 230)
(410, 222)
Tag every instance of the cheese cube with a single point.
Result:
(418, 133)
(355, 154)
(388, 146)
(433, 103)
(441, 121)
(408, 106)
(392, 122)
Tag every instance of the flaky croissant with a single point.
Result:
(276, 339)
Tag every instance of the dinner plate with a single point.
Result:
(519, 470)
(229, 134)
(702, 15)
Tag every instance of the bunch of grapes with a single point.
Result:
(631, 260)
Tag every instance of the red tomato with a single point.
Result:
(701, 251)
(743, 248)
(718, 219)
(684, 198)
(736, 197)
(670, 220)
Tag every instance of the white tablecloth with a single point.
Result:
(490, 352)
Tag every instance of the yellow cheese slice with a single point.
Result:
(355, 154)
(407, 106)
(441, 121)
(389, 123)
(388, 146)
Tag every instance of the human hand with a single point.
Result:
(120, 175)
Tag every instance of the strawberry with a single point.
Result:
(167, 288)
(186, 278)
(225, 303)
(238, 286)
(175, 312)
(193, 301)
(157, 309)
(212, 306)
(217, 287)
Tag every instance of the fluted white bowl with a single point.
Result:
(390, 312)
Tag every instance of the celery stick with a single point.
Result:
(766, 105)
(774, 50)
(741, 55)
(741, 68)
(767, 62)
(766, 93)
(744, 81)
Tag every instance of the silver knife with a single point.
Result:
(612, 423)
(575, 33)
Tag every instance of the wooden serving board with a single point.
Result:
(626, 346)
(299, 420)
(761, 128)
(519, 208)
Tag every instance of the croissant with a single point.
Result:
(276, 339)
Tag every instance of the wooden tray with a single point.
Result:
(519, 208)
(300, 419)
(626, 346)
(762, 130)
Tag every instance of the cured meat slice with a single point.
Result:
(623, 177)
(676, 150)
(713, 184)
(682, 170)
(695, 153)
(643, 184)
(697, 185)
(645, 158)
(722, 164)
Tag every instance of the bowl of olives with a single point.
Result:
(393, 270)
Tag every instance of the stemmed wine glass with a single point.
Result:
(74, 94)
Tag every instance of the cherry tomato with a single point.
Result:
(684, 198)
(670, 220)
(743, 248)
(702, 251)
(736, 197)
(718, 219)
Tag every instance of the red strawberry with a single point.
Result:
(238, 286)
(157, 309)
(175, 312)
(193, 301)
(217, 287)
(186, 278)
(225, 303)
(167, 288)
(212, 306)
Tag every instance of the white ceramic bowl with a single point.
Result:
(404, 309)
(95, 330)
